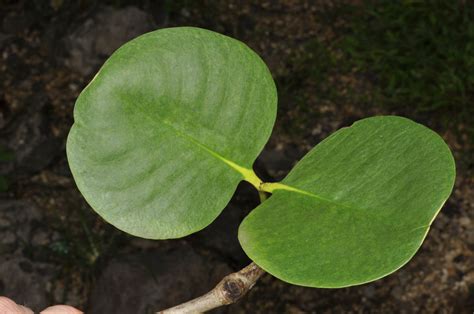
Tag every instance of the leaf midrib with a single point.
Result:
(270, 187)
(247, 174)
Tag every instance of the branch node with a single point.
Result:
(229, 290)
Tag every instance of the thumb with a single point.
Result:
(60, 309)
(7, 306)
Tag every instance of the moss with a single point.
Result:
(418, 54)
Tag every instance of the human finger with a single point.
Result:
(7, 306)
(61, 309)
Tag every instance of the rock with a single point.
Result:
(25, 282)
(100, 35)
(17, 223)
(279, 161)
(221, 236)
(30, 142)
(151, 281)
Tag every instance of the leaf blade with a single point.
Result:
(352, 211)
(161, 139)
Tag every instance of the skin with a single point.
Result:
(8, 306)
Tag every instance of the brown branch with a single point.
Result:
(228, 291)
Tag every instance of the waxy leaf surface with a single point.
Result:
(167, 129)
(355, 208)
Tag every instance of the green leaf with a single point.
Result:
(169, 126)
(355, 208)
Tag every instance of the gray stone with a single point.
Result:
(221, 236)
(100, 35)
(30, 142)
(25, 282)
(275, 162)
(148, 282)
(280, 160)
(18, 220)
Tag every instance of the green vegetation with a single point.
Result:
(355, 208)
(411, 57)
(175, 119)
(212, 89)
(419, 54)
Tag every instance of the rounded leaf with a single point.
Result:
(355, 208)
(168, 127)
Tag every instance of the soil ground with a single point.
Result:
(55, 248)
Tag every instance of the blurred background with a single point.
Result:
(334, 62)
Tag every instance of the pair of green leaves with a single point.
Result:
(174, 121)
